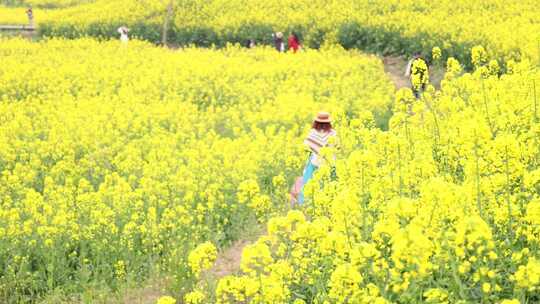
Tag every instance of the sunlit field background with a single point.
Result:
(128, 164)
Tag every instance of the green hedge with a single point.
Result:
(351, 35)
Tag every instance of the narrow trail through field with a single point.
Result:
(24, 31)
(228, 261)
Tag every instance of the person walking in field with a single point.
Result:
(319, 136)
(30, 14)
(294, 43)
(418, 72)
(279, 45)
(123, 31)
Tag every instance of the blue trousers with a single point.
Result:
(307, 175)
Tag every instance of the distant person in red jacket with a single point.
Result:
(294, 43)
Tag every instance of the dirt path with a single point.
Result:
(228, 261)
(395, 69)
(149, 294)
(394, 66)
(6, 31)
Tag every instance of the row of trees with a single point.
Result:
(169, 9)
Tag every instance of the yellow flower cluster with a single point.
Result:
(117, 161)
(202, 258)
(166, 300)
(436, 295)
(195, 297)
(528, 276)
(419, 74)
(436, 53)
(479, 56)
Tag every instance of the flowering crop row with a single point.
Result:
(442, 208)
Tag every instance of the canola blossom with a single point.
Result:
(118, 161)
(419, 74)
(166, 300)
(202, 257)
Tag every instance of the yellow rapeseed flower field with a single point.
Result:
(508, 29)
(442, 208)
(122, 161)
(117, 160)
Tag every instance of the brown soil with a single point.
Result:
(228, 261)
(394, 67)
(30, 35)
(149, 294)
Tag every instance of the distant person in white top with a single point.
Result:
(30, 15)
(279, 44)
(123, 31)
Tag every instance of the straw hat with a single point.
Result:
(323, 117)
(279, 34)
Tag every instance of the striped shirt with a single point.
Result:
(318, 139)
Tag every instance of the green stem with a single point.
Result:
(400, 175)
(261, 286)
(535, 101)
(408, 134)
(364, 207)
(491, 127)
(510, 219)
(347, 231)
(436, 121)
(478, 194)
